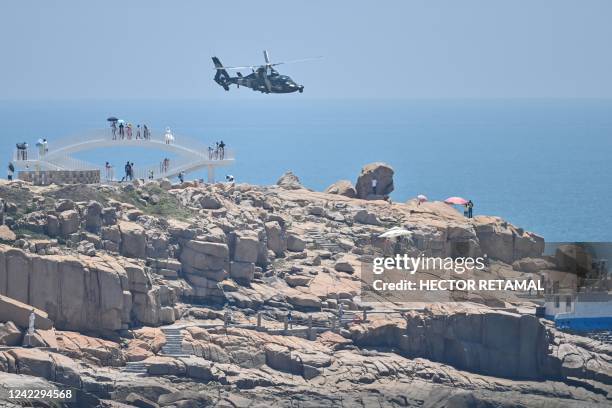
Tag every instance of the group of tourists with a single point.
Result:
(43, 146)
(127, 131)
(216, 152)
(22, 151)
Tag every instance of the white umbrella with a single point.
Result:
(395, 232)
(422, 198)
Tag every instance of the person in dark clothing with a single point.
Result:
(128, 171)
(121, 133)
(470, 206)
(11, 171)
(221, 150)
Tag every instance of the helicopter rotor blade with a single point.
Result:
(235, 68)
(297, 60)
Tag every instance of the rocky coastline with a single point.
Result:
(177, 295)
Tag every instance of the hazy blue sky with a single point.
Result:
(401, 48)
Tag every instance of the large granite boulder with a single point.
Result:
(69, 222)
(133, 240)
(289, 181)
(242, 271)
(277, 242)
(342, 187)
(78, 293)
(246, 248)
(10, 335)
(295, 243)
(6, 234)
(204, 264)
(503, 241)
(93, 218)
(382, 173)
(492, 343)
(18, 313)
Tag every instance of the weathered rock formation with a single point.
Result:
(343, 188)
(289, 181)
(382, 173)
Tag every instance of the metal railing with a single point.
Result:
(193, 153)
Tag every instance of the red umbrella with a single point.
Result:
(456, 200)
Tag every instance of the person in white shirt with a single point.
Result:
(31, 327)
(374, 183)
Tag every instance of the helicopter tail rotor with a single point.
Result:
(221, 77)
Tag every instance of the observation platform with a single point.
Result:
(189, 155)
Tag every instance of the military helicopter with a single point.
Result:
(264, 78)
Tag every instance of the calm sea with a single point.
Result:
(545, 165)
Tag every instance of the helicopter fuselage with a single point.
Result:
(267, 83)
(264, 79)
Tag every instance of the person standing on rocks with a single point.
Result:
(128, 170)
(11, 171)
(290, 320)
(470, 206)
(31, 327)
(374, 184)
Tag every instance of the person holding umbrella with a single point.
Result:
(113, 121)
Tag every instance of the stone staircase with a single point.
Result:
(172, 348)
(174, 342)
(319, 241)
(134, 367)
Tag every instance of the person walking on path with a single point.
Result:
(290, 320)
